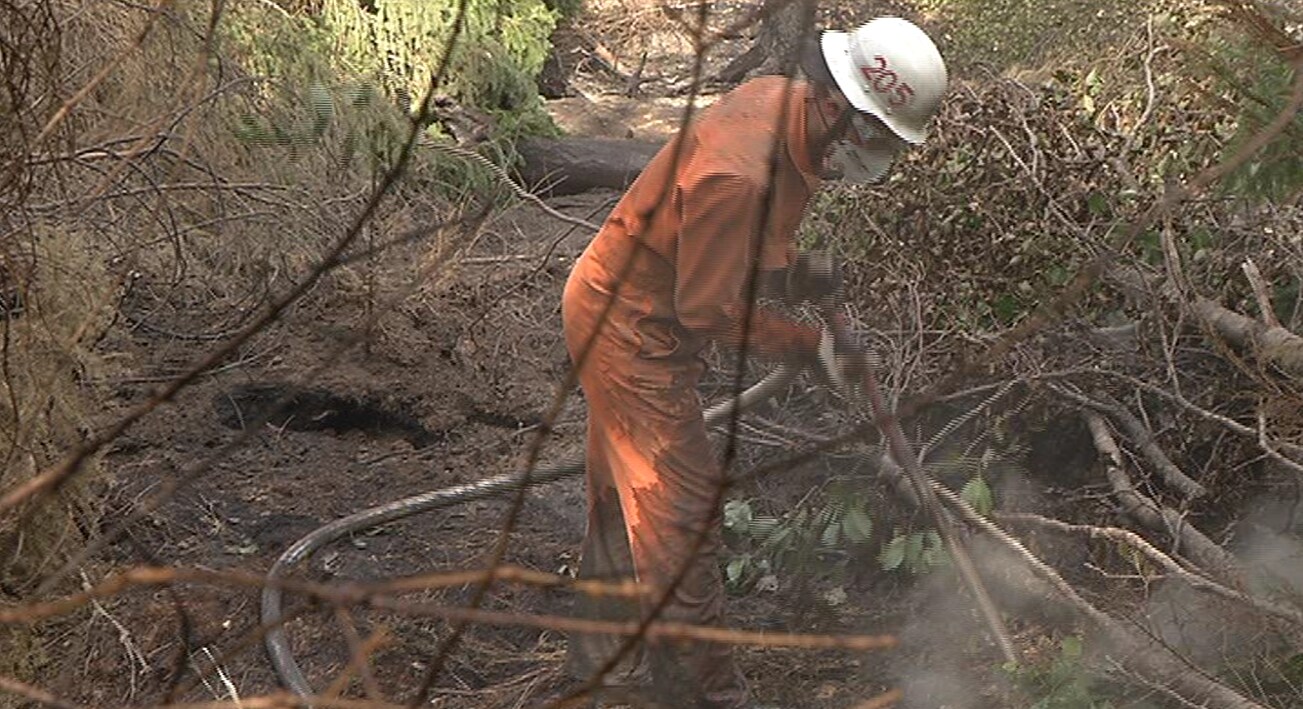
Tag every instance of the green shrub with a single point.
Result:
(324, 99)
(812, 539)
(1259, 81)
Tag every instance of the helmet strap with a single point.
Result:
(813, 64)
(820, 144)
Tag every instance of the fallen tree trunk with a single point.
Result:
(565, 166)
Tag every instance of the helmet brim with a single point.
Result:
(836, 48)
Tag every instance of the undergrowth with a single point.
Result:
(1029, 175)
(199, 177)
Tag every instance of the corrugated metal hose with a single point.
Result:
(276, 642)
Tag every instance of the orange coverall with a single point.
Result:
(668, 271)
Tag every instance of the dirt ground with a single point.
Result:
(446, 390)
(442, 397)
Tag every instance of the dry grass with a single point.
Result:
(68, 302)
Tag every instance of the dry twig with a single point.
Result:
(1138, 433)
(1193, 578)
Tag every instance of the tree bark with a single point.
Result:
(1275, 345)
(782, 26)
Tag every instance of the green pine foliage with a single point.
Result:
(343, 81)
(494, 64)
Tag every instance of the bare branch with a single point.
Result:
(1140, 434)
(107, 70)
(1194, 579)
(882, 701)
(1207, 554)
(35, 694)
(1273, 344)
(1272, 447)
(655, 629)
(343, 594)
(359, 661)
(1260, 293)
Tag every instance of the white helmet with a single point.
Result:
(890, 68)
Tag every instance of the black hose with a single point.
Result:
(278, 649)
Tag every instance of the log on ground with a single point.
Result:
(571, 165)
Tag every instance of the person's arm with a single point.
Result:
(719, 247)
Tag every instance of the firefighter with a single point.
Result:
(670, 270)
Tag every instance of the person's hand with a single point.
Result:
(843, 361)
(813, 276)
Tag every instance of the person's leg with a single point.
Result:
(604, 553)
(670, 484)
(605, 556)
(652, 446)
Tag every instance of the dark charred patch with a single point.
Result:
(298, 408)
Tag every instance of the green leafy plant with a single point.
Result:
(915, 552)
(977, 493)
(1065, 681)
(921, 551)
(812, 538)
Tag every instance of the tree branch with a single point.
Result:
(1195, 544)
(1141, 435)
(1194, 579)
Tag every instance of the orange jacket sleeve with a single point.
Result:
(719, 236)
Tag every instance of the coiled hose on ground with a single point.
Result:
(278, 649)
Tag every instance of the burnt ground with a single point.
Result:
(446, 391)
(442, 395)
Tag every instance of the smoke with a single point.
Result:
(1215, 632)
(1271, 548)
(937, 666)
(949, 657)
